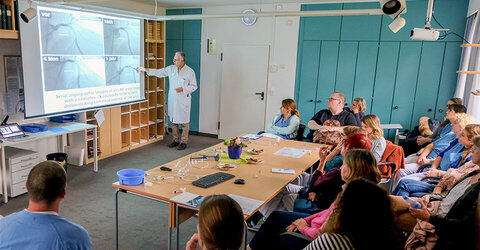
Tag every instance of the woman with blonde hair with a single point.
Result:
(286, 123)
(357, 108)
(220, 224)
(371, 124)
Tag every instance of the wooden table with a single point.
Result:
(260, 183)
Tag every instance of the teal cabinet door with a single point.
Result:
(406, 82)
(308, 80)
(361, 28)
(192, 29)
(174, 29)
(385, 80)
(347, 63)
(324, 27)
(326, 74)
(365, 73)
(192, 51)
(429, 73)
(448, 80)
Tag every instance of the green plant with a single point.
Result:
(234, 142)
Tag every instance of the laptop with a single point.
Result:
(11, 131)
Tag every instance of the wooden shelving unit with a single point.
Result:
(13, 33)
(136, 125)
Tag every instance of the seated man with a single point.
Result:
(335, 112)
(39, 226)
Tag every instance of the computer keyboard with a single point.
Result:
(212, 179)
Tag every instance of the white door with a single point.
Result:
(243, 90)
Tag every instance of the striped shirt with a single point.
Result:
(330, 241)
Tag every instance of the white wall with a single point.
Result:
(280, 33)
(473, 6)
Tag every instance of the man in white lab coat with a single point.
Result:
(182, 84)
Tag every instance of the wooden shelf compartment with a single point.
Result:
(135, 119)
(160, 129)
(152, 99)
(8, 34)
(152, 132)
(126, 121)
(135, 137)
(143, 135)
(143, 118)
(126, 139)
(125, 109)
(135, 107)
(144, 105)
(152, 115)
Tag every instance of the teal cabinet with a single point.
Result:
(400, 79)
(186, 36)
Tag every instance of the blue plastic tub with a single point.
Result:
(131, 177)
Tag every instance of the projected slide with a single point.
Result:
(88, 60)
(121, 69)
(121, 37)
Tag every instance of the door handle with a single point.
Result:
(429, 110)
(319, 101)
(311, 100)
(396, 107)
(261, 94)
(440, 110)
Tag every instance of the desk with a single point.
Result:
(393, 126)
(265, 181)
(60, 129)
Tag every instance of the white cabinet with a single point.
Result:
(19, 162)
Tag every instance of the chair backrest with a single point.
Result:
(300, 132)
(393, 153)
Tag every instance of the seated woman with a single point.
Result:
(411, 185)
(455, 184)
(220, 224)
(285, 125)
(363, 221)
(458, 122)
(358, 163)
(357, 108)
(325, 186)
(431, 151)
(371, 124)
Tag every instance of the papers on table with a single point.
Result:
(283, 170)
(291, 152)
(250, 137)
(189, 199)
(268, 135)
(248, 205)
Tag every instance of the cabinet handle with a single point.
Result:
(319, 101)
(429, 110)
(28, 159)
(396, 107)
(24, 166)
(311, 100)
(440, 110)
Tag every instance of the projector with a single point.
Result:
(424, 34)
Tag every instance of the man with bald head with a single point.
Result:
(335, 111)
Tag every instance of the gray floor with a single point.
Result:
(90, 200)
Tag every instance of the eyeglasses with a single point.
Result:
(331, 99)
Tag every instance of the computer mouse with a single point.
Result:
(239, 181)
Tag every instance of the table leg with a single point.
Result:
(396, 141)
(177, 226)
(95, 150)
(4, 175)
(116, 218)
(171, 223)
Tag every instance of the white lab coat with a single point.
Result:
(178, 103)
